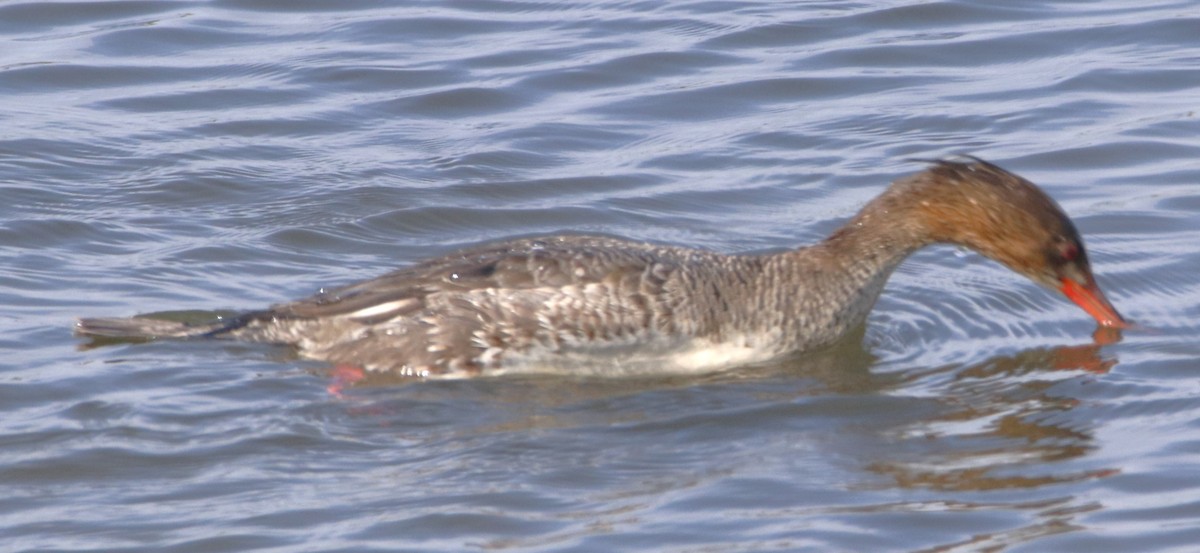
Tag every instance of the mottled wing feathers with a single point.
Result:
(466, 312)
(512, 265)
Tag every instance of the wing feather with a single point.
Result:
(511, 265)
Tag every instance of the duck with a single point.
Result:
(607, 306)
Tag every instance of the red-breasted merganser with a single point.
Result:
(606, 306)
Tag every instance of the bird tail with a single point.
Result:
(154, 325)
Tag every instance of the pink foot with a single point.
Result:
(344, 375)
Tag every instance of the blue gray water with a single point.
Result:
(230, 154)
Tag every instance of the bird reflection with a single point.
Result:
(1001, 423)
(1006, 424)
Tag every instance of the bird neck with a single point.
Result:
(880, 236)
(834, 284)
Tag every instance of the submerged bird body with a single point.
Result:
(606, 306)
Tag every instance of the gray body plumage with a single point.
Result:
(578, 304)
(573, 304)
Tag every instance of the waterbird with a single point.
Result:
(606, 306)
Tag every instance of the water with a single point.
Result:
(232, 154)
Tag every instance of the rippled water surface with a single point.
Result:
(232, 154)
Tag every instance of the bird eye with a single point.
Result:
(1068, 251)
